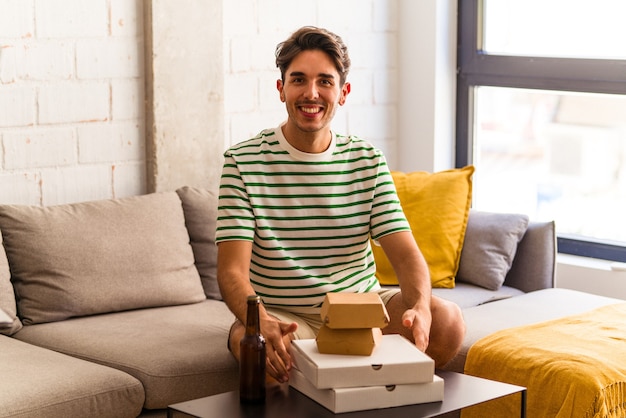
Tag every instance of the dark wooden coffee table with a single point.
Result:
(460, 391)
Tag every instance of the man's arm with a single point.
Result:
(233, 272)
(414, 279)
(233, 277)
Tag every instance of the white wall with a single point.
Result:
(600, 277)
(427, 78)
(71, 100)
(184, 93)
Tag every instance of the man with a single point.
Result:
(298, 205)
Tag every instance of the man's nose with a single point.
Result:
(311, 91)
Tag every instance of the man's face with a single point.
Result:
(311, 91)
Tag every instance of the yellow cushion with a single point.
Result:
(437, 207)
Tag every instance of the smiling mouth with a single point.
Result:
(311, 109)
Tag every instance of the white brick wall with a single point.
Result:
(17, 104)
(39, 148)
(71, 18)
(16, 19)
(71, 100)
(72, 123)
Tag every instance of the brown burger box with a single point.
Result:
(351, 341)
(354, 310)
(352, 323)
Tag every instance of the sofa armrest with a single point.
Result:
(534, 265)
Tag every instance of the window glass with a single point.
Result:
(552, 155)
(555, 28)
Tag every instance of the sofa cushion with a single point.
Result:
(96, 257)
(436, 206)
(534, 266)
(42, 383)
(200, 207)
(178, 352)
(7, 297)
(489, 248)
(467, 295)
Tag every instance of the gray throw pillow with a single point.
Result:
(489, 248)
(7, 297)
(98, 257)
(200, 207)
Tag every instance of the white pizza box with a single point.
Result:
(368, 397)
(395, 361)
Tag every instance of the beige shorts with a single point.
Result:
(309, 325)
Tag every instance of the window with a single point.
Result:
(541, 112)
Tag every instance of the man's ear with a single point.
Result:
(345, 90)
(279, 87)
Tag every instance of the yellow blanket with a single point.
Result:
(573, 366)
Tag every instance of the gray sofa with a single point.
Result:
(114, 309)
(527, 294)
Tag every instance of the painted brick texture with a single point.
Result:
(71, 100)
(72, 116)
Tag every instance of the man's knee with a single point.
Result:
(448, 316)
(448, 329)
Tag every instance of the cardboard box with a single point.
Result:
(369, 397)
(355, 341)
(354, 310)
(394, 361)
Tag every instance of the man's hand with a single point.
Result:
(277, 337)
(419, 322)
(414, 279)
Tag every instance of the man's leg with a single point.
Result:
(446, 332)
(237, 330)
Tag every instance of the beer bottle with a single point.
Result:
(252, 357)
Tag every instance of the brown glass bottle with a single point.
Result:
(252, 357)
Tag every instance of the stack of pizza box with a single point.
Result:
(351, 366)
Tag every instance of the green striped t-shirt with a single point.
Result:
(309, 216)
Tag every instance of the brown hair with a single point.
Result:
(311, 38)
